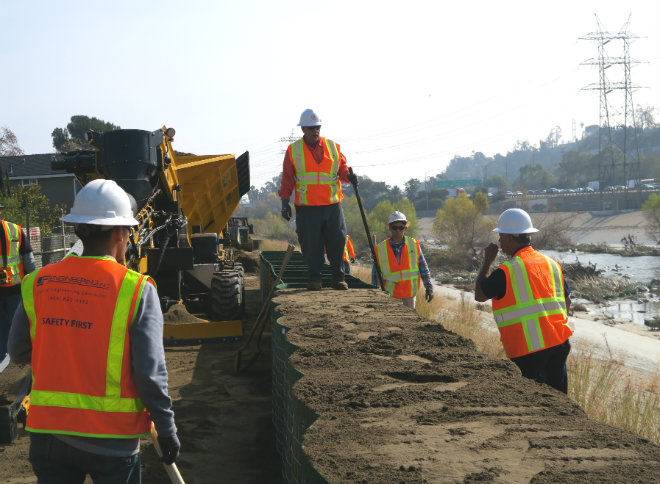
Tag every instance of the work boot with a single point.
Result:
(314, 282)
(339, 283)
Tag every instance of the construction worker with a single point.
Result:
(530, 302)
(315, 167)
(17, 260)
(93, 331)
(402, 263)
(349, 255)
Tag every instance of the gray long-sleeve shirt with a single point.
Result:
(148, 365)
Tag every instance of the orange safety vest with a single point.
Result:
(316, 183)
(532, 314)
(14, 267)
(349, 252)
(401, 279)
(80, 311)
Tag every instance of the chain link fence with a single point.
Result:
(52, 248)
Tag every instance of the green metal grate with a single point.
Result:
(295, 275)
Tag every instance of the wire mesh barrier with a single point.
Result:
(290, 417)
(52, 248)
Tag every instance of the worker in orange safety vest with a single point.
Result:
(92, 330)
(402, 263)
(313, 169)
(530, 301)
(16, 260)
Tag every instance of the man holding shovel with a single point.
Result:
(93, 331)
(314, 168)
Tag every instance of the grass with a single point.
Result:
(603, 386)
(269, 244)
(600, 289)
(609, 392)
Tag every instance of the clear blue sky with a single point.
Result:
(402, 86)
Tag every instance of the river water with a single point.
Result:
(639, 269)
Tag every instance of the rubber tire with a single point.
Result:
(227, 295)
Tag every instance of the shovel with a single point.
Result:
(261, 319)
(379, 275)
(171, 469)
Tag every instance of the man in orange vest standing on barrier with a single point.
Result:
(402, 263)
(314, 168)
(530, 302)
(17, 260)
(93, 331)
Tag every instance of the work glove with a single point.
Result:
(170, 446)
(286, 210)
(352, 260)
(352, 177)
(429, 296)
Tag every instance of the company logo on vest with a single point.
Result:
(78, 281)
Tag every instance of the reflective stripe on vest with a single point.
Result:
(49, 407)
(14, 268)
(537, 315)
(304, 179)
(401, 279)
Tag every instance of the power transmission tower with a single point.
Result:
(617, 115)
(290, 139)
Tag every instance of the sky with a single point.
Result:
(403, 87)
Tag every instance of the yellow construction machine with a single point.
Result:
(187, 238)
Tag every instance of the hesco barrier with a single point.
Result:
(367, 391)
(290, 417)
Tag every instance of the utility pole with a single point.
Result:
(616, 115)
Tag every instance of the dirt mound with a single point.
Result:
(249, 260)
(400, 399)
(178, 314)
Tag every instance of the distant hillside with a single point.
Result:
(565, 164)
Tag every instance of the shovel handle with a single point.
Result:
(379, 274)
(171, 469)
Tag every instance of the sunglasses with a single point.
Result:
(398, 227)
(313, 128)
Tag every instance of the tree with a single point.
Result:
(651, 212)
(26, 205)
(9, 143)
(461, 226)
(411, 188)
(497, 181)
(646, 117)
(73, 136)
(534, 177)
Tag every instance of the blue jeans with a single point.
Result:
(547, 366)
(54, 461)
(8, 305)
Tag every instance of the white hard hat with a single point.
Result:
(515, 221)
(397, 217)
(309, 118)
(101, 202)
